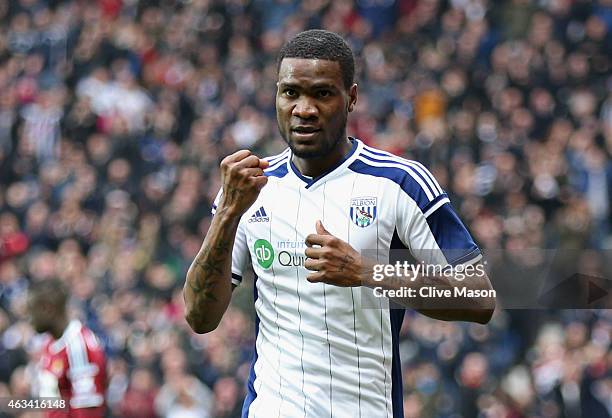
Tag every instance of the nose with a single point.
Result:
(305, 108)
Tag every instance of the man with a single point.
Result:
(72, 362)
(319, 351)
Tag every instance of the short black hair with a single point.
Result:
(323, 45)
(53, 291)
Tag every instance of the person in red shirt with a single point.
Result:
(72, 362)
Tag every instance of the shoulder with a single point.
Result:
(412, 177)
(277, 157)
(377, 157)
(82, 345)
(91, 340)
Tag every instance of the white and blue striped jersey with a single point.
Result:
(318, 353)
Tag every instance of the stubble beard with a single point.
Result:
(322, 151)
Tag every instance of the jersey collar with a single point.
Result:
(313, 182)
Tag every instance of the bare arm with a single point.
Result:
(208, 289)
(336, 262)
(452, 300)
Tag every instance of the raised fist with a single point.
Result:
(243, 178)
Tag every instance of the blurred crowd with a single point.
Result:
(114, 116)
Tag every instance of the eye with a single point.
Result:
(324, 93)
(290, 93)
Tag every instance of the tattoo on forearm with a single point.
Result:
(232, 191)
(438, 282)
(222, 246)
(209, 270)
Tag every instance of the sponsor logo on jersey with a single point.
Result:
(57, 367)
(363, 211)
(290, 245)
(287, 258)
(259, 216)
(264, 253)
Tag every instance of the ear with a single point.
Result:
(352, 97)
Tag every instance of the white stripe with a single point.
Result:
(236, 282)
(276, 165)
(429, 175)
(431, 181)
(82, 352)
(403, 167)
(435, 187)
(423, 170)
(375, 150)
(216, 202)
(77, 356)
(436, 206)
(80, 368)
(472, 261)
(89, 401)
(282, 154)
(72, 358)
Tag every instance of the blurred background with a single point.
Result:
(114, 115)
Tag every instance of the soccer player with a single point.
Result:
(303, 218)
(72, 362)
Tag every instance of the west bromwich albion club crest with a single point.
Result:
(363, 211)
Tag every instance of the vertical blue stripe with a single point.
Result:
(251, 393)
(397, 391)
(396, 315)
(348, 241)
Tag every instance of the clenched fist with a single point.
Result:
(243, 178)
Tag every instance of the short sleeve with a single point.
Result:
(240, 252)
(432, 230)
(213, 210)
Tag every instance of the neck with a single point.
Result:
(59, 327)
(313, 167)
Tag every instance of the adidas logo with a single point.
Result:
(259, 216)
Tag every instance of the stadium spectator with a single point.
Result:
(71, 363)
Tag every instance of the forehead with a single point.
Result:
(309, 71)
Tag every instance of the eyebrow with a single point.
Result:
(315, 86)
